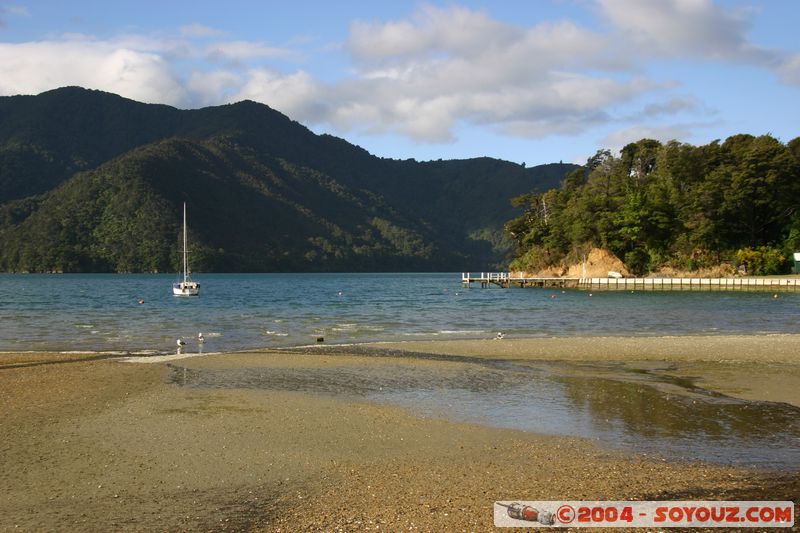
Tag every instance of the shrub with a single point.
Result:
(762, 261)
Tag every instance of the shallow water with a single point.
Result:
(640, 410)
(97, 312)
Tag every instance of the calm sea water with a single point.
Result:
(244, 311)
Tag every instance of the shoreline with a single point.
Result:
(100, 444)
(751, 367)
(751, 348)
(433, 340)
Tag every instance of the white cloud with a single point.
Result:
(673, 106)
(422, 75)
(429, 120)
(695, 30)
(199, 31)
(142, 67)
(297, 95)
(674, 27)
(419, 77)
(240, 51)
(373, 41)
(35, 67)
(457, 31)
(213, 88)
(688, 29)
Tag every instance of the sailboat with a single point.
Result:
(187, 287)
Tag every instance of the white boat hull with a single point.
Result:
(186, 287)
(189, 288)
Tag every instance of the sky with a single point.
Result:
(526, 81)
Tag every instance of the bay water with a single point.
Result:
(103, 313)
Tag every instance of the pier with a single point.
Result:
(505, 280)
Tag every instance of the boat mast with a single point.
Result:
(185, 251)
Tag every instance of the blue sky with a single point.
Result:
(527, 81)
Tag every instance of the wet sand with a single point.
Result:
(99, 445)
(750, 367)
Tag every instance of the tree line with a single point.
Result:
(671, 204)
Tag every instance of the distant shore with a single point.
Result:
(105, 445)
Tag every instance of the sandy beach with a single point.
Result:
(109, 445)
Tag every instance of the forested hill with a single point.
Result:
(671, 205)
(91, 181)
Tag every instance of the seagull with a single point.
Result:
(180, 342)
(200, 338)
(499, 335)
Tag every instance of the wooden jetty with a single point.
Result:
(505, 280)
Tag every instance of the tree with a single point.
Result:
(657, 204)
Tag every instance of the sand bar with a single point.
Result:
(764, 367)
(728, 348)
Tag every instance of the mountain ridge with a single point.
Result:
(265, 192)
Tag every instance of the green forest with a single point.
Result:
(93, 182)
(670, 205)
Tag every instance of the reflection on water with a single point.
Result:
(691, 426)
(641, 410)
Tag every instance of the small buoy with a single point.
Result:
(774, 295)
(320, 339)
(200, 338)
(340, 293)
(141, 301)
(590, 294)
(552, 296)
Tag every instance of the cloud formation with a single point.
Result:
(679, 27)
(454, 64)
(698, 30)
(242, 51)
(422, 76)
(30, 68)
